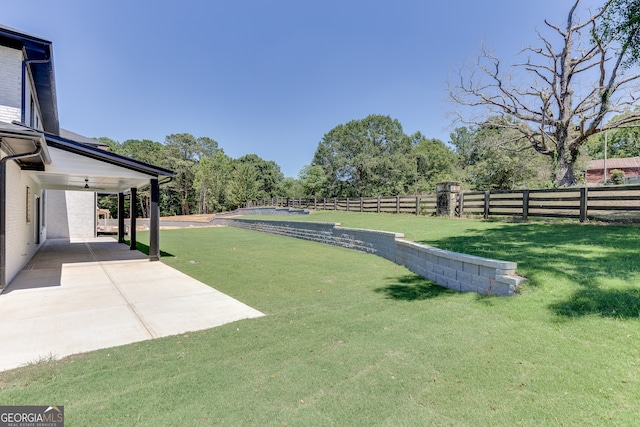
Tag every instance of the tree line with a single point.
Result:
(366, 157)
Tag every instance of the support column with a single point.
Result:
(120, 217)
(154, 222)
(3, 225)
(132, 219)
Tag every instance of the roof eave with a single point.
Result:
(107, 156)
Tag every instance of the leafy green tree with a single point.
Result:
(366, 157)
(621, 142)
(499, 161)
(147, 151)
(243, 185)
(312, 180)
(183, 152)
(268, 174)
(434, 162)
(211, 179)
(463, 141)
(290, 188)
(621, 23)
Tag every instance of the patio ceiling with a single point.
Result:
(69, 171)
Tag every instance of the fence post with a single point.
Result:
(335, 203)
(397, 204)
(361, 204)
(525, 205)
(417, 205)
(347, 204)
(460, 204)
(583, 204)
(487, 196)
(378, 205)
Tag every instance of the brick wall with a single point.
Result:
(71, 214)
(10, 84)
(20, 234)
(461, 272)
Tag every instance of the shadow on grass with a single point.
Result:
(596, 261)
(413, 288)
(616, 303)
(145, 249)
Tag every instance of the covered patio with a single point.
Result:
(87, 294)
(59, 163)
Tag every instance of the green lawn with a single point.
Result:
(352, 339)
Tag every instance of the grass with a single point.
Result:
(351, 339)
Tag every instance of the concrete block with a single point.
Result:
(464, 277)
(467, 287)
(471, 268)
(450, 273)
(451, 263)
(487, 271)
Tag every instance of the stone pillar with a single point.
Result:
(447, 198)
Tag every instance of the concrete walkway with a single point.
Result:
(89, 294)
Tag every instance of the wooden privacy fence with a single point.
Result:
(601, 203)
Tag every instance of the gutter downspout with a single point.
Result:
(26, 62)
(3, 209)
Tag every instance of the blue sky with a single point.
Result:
(269, 77)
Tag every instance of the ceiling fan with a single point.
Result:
(86, 185)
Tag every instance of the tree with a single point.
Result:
(366, 157)
(183, 152)
(621, 142)
(434, 162)
(497, 161)
(621, 22)
(210, 181)
(312, 180)
(290, 188)
(567, 95)
(268, 175)
(243, 185)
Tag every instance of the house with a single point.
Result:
(596, 169)
(49, 176)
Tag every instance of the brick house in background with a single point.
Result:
(595, 169)
(49, 176)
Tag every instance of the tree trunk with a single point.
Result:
(564, 173)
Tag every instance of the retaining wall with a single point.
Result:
(460, 272)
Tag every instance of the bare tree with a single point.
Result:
(558, 97)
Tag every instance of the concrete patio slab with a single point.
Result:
(87, 294)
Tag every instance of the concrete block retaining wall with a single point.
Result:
(460, 272)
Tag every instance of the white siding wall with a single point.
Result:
(10, 84)
(20, 234)
(71, 214)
